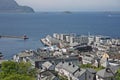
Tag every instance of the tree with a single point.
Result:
(18, 77)
(91, 66)
(11, 70)
(63, 77)
(9, 67)
(118, 75)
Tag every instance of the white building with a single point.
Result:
(81, 39)
(56, 35)
(91, 39)
(23, 56)
(88, 59)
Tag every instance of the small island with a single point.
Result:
(67, 12)
(11, 6)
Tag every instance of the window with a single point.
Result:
(89, 76)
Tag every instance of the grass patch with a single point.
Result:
(90, 66)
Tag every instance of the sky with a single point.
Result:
(72, 5)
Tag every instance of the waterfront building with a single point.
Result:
(91, 40)
(56, 35)
(23, 56)
(81, 39)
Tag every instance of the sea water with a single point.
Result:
(38, 25)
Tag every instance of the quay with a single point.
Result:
(19, 37)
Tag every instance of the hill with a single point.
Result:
(11, 6)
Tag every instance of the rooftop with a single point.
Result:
(70, 67)
(108, 72)
(47, 64)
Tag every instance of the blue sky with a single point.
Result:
(72, 5)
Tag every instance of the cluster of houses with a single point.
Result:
(69, 66)
(65, 53)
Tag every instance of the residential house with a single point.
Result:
(88, 59)
(23, 56)
(47, 75)
(73, 72)
(48, 66)
(104, 60)
(90, 74)
(38, 61)
(108, 73)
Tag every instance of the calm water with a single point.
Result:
(38, 25)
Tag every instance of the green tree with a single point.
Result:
(90, 66)
(18, 77)
(11, 70)
(9, 67)
(63, 77)
(118, 75)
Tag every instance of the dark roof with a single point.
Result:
(108, 72)
(48, 75)
(70, 67)
(91, 70)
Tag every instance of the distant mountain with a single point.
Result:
(10, 6)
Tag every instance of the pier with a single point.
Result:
(19, 37)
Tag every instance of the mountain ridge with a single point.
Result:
(11, 6)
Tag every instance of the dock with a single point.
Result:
(19, 37)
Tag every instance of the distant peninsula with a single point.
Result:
(11, 6)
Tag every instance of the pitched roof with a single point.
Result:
(108, 72)
(91, 70)
(105, 55)
(26, 53)
(47, 64)
(67, 66)
(79, 73)
(71, 68)
(47, 75)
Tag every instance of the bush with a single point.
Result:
(90, 66)
(17, 71)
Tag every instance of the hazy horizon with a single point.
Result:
(72, 5)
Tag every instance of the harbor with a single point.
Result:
(63, 52)
(59, 40)
(66, 51)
